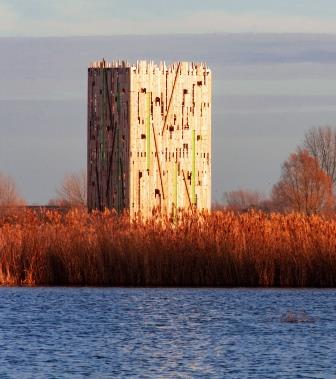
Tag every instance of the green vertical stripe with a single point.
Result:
(175, 186)
(148, 120)
(100, 131)
(103, 122)
(193, 174)
(118, 97)
(118, 172)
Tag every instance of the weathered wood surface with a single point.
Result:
(149, 136)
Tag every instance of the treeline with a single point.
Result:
(70, 194)
(307, 181)
(223, 248)
(9, 195)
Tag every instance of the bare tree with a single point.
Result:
(73, 191)
(321, 144)
(8, 192)
(303, 186)
(242, 200)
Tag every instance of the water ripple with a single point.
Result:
(167, 333)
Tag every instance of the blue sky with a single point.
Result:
(110, 17)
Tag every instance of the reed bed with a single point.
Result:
(218, 249)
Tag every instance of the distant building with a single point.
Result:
(149, 136)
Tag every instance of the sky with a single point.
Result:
(111, 17)
(268, 90)
(270, 86)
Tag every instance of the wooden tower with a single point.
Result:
(149, 136)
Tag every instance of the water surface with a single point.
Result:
(166, 333)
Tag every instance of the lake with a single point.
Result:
(167, 333)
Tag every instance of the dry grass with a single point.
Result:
(221, 249)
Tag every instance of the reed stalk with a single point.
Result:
(223, 248)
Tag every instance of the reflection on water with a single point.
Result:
(166, 333)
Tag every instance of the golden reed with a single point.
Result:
(218, 249)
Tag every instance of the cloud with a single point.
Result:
(265, 22)
(88, 20)
(205, 22)
(8, 19)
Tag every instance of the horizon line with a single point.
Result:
(330, 34)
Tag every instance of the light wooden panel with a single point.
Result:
(149, 136)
